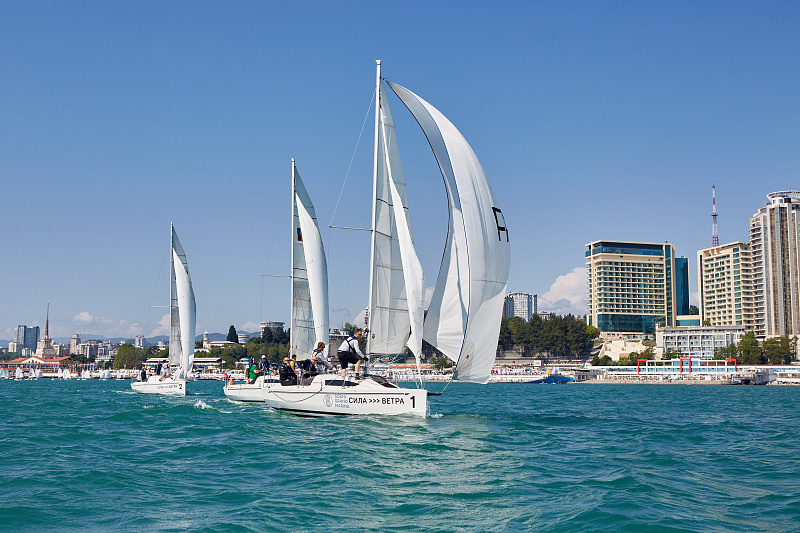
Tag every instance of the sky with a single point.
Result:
(593, 120)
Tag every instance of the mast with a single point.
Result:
(172, 291)
(370, 307)
(291, 267)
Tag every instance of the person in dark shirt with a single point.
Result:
(286, 373)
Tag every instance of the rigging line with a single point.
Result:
(160, 270)
(153, 297)
(355, 281)
(366, 117)
(269, 251)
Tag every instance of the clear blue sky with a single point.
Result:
(593, 120)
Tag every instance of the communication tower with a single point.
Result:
(714, 236)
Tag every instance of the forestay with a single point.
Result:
(464, 315)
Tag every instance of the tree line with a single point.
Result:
(748, 351)
(559, 336)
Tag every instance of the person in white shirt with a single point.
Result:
(164, 370)
(349, 352)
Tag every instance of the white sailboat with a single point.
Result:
(182, 326)
(309, 288)
(463, 320)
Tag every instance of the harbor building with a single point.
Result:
(273, 326)
(725, 284)
(631, 286)
(696, 342)
(521, 304)
(775, 255)
(46, 348)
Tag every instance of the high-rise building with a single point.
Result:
(521, 304)
(74, 344)
(725, 285)
(140, 342)
(775, 254)
(631, 286)
(681, 286)
(27, 337)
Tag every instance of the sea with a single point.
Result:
(95, 456)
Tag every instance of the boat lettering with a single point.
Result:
(358, 400)
(340, 400)
(387, 401)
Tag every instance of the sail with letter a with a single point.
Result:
(463, 319)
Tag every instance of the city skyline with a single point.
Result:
(593, 122)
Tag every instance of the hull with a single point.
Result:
(553, 379)
(168, 386)
(326, 396)
(242, 392)
(521, 378)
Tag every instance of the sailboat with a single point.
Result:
(463, 320)
(182, 326)
(309, 290)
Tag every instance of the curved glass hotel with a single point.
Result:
(632, 286)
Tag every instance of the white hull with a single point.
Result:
(326, 396)
(242, 392)
(166, 386)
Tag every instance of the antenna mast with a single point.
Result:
(714, 236)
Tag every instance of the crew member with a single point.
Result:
(349, 352)
(286, 373)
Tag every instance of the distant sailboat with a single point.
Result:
(309, 287)
(182, 327)
(463, 320)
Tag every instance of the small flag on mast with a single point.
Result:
(299, 236)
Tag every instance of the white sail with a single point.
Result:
(309, 275)
(463, 319)
(413, 276)
(182, 312)
(389, 321)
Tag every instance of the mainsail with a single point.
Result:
(309, 274)
(397, 286)
(464, 315)
(182, 312)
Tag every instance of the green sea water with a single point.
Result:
(95, 456)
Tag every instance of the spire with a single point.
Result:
(47, 323)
